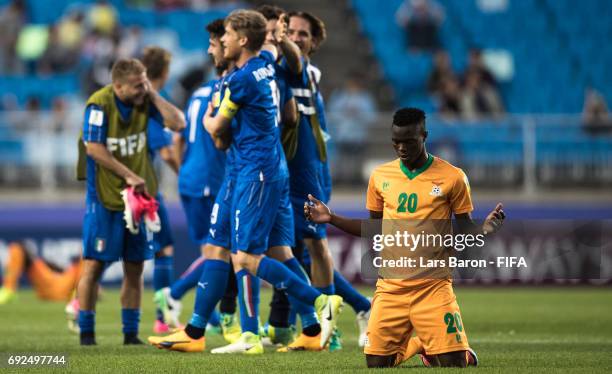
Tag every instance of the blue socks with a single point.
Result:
(248, 300)
(130, 319)
(327, 290)
(281, 277)
(188, 280)
(87, 320)
(162, 277)
(306, 311)
(210, 290)
(350, 295)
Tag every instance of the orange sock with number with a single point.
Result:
(14, 267)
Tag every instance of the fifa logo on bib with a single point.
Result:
(436, 191)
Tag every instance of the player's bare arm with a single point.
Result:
(290, 50)
(179, 147)
(289, 116)
(104, 158)
(218, 127)
(492, 223)
(168, 155)
(317, 212)
(173, 117)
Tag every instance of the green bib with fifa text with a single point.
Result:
(126, 140)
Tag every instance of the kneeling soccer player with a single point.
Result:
(425, 307)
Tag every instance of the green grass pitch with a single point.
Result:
(512, 329)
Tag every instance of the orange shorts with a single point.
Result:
(431, 312)
(52, 285)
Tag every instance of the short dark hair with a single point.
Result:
(409, 117)
(156, 60)
(216, 28)
(270, 11)
(317, 27)
(251, 24)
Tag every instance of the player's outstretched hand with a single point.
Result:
(494, 220)
(280, 31)
(316, 211)
(137, 182)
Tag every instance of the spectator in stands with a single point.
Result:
(71, 31)
(59, 115)
(103, 17)
(421, 19)
(476, 63)
(57, 58)
(170, 4)
(352, 110)
(449, 97)
(595, 115)
(441, 72)
(31, 44)
(479, 98)
(12, 19)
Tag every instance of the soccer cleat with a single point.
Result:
(151, 218)
(132, 212)
(213, 330)
(328, 308)
(170, 308)
(179, 341)
(230, 328)
(137, 207)
(6, 295)
(335, 342)
(248, 343)
(132, 340)
(72, 315)
(472, 357)
(87, 338)
(159, 327)
(304, 343)
(362, 322)
(275, 336)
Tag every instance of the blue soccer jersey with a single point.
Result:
(203, 166)
(255, 137)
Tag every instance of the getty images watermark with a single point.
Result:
(521, 250)
(459, 242)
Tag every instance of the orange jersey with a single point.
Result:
(433, 193)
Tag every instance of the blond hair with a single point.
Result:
(251, 24)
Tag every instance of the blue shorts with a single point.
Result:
(283, 230)
(303, 182)
(255, 208)
(163, 238)
(197, 210)
(106, 238)
(220, 232)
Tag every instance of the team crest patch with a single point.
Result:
(100, 244)
(436, 191)
(386, 186)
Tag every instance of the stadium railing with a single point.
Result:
(38, 152)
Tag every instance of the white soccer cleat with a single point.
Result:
(248, 343)
(328, 309)
(362, 322)
(72, 315)
(171, 308)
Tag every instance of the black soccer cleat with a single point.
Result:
(88, 338)
(131, 339)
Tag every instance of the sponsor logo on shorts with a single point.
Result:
(100, 244)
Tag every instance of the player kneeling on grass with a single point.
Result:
(402, 307)
(113, 156)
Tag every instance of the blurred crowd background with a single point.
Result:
(516, 91)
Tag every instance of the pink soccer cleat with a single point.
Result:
(160, 327)
(137, 206)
